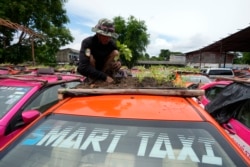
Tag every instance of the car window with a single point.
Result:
(41, 101)
(195, 79)
(212, 92)
(203, 70)
(220, 72)
(9, 96)
(244, 114)
(77, 141)
(48, 97)
(71, 84)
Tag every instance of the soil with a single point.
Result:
(127, 83)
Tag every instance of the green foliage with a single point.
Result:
(45, 55)
(159, 73)
(246, 58)
(65, 67)
(141, 74)
(162, 73)
(238, 58)
(44, 17)
(16, 54)
(132, 33)
(164, 54)
(125, 52)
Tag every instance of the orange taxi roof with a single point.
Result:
(133, 106)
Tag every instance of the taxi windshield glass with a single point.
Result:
(195, 79)
(9, 96)
(86, 141)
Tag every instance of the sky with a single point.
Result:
(176, 25)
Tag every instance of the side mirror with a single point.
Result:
(229, 128)
(30, 115)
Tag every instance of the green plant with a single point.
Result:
(124, 51)
(141, 73)
(163, 74)
(158, 73)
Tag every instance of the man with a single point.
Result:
(98, 53)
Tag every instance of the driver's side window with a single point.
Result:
(47, 97)
(244, 114)
(41, 102)
(213, 92)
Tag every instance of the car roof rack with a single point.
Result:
(239, 80)
(45, 71)
(51, 71)
(190, 72)
(48, 71)
(23, 79)
(62, 93)
(4, 68)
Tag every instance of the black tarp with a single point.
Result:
(229, 101)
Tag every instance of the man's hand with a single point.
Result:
(109, 79)
(92, 60)
(116, 65)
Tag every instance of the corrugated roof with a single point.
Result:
(238, 42)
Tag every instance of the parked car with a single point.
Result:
(231, 108)
(212, 89)
(219, 72)
(203, 70)
(6, 70)
(24, 97)
(135, 127)
(241, 72)
(244, 77)
(190, 80)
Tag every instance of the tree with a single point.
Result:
(246, 58)
(238, 58)
(164, 55)
(133, 34)
(145, 56)
(45, 17)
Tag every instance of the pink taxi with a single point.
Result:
(230, 108)
(22, 96)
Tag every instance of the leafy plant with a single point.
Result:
(140, 75)
(163, 74)
(158, 73)
(124, 51)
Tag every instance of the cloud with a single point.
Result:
(177, 25)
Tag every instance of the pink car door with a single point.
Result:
(240, 130)
(239, 127)
(240, 133)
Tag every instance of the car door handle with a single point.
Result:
(229, 128)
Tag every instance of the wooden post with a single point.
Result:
(33, 51)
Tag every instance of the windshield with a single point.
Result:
(220, 72)
(195, 79)
(79, 142)
(9, 96)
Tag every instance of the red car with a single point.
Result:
(190, 80)
(212, 89)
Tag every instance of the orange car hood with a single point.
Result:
(133, 106)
